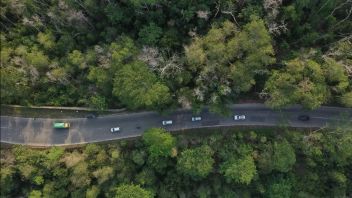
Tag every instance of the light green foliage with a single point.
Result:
(76, 58)
(55, 153)
(122, 51)
(160, 143)
(227, 60)
(38, 180)
(131, 190)
(93, 192)
(103, 174)
(80, 175)
(336, 76)
(284, 156)
(338, 177)
(240, 170)
(97, 102)
(99, 76)
(346, 99)
(5, 55)
(197, 162)
(37, 59)
(35, 194)
(137, 87)
(47, 40)
(302, 81)
(150, 35)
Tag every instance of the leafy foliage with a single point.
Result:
(221, 164)
(197, 162)
(159, 142)
(126, 191)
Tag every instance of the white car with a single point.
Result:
(115, 129)
(239, 117)
(167, 122)
(197, 118)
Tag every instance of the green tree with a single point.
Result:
(283, 156)
(37, 58)
(7, 181)
(240, 170)
(197, 162)
(14, 85)
(346, 99)
(93, 192)
(159, 142)
(80, 175)
(131, 190)
(150, 35)
(47, 40)
(98, 102)
(301, 82)
(35, 194)
(226, 61)
(336, 76)
(280, 188)
(76, 58)
(137, 87)
(103, 174)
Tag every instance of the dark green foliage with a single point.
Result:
(150, 35)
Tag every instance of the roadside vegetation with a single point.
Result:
(159, 55)
(206, 163)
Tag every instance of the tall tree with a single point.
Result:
(137, 87)
(284, 156)
(197, 162)
(240, 170)
(300, 82)
(226, 60)
(159, 142)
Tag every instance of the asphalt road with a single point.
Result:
(39, 132)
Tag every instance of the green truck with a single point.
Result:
(61, 125)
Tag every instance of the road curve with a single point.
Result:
(39, 132)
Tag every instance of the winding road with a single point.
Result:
(39, 132)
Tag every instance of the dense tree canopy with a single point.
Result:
(226, 163)
(156, 55)
(226, 60)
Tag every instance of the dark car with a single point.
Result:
(303, 117)
(91, 116)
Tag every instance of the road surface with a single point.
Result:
(39, 132)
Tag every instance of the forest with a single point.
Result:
(226, 163)
(160, 54)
